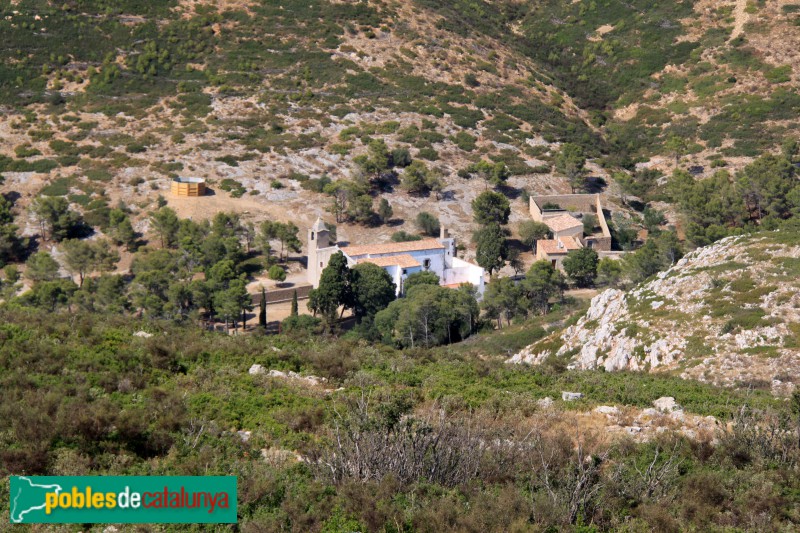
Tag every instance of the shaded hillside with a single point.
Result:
(726, 313)
(719, 74)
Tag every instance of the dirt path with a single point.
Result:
(740, 18)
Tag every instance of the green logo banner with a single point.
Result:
(123, 499)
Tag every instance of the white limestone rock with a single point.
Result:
(545, 403)
(666, 404)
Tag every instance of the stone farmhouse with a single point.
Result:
(399, 259)
(564, 214)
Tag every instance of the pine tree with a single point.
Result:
(262, 313)
(294, 303)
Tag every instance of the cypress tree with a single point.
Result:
(262, 313)
(294, 303)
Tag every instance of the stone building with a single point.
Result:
(399, 259)
(564, 215)
(555, 250)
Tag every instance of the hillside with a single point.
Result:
(726, 314)
(720, 75)
(145, 333)
(305, 422)
(261, 98)
(110, 99)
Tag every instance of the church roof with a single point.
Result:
(402, 260)
(393, 248)
(319, 225)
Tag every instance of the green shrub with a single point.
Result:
(232, 186)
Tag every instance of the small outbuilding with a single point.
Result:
(188, 186)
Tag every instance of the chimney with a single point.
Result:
(444, 233)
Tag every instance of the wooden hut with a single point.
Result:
(188, 186)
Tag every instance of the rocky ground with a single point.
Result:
(727, 314)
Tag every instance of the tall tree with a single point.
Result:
(541, 283)
(424, 277)
(83, 257)
(655, 255)
(52, 294)
(166, 224)
(492, 249)
(609, 271)
(766, 183)
(284, 232)
(12, 246)
(262, 309)
(494, 174)
(234, 302)
(417, 178)
(334, 291)
(385, 210)
(295, 310)
(677, 147)
(429, 315)
(376, 160)
(653, 219)
(373, 290)
(56, 220)
(531, 231)
(428, 224)
(41, 267)
(120, 229)
(571, 162)
(503, 300)
(491, 208)
(581, 266)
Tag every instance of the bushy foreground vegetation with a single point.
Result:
(417, 440)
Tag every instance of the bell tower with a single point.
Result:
(319, 237)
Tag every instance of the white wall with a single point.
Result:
(436, 257)
(451, 270)
(463, 272)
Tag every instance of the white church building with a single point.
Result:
(399, 259)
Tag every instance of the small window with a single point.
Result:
(312, 235)
(404, 271)
(426, 263)
(320, 264)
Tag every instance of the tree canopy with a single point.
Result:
(581, 266)
(571, 162)
(373, 290)
(531, 231)
(492, 249)
(491, 207)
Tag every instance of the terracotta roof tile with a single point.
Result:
(402, 260)
(551, 246)
(562, 222)
(393, 247)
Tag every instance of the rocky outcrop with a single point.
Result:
(257, 369)
(727, 313)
